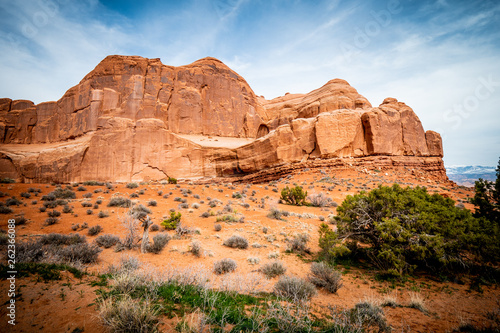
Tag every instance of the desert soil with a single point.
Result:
(67, 304)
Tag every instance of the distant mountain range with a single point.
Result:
(466, 175)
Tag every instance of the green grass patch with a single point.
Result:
(45, 271)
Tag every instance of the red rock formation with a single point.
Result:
(123, 120)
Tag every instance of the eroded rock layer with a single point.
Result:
(128, 120)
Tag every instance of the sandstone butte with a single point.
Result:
(133, 118)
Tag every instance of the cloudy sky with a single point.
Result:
(440, 57)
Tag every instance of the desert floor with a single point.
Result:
(68, 304)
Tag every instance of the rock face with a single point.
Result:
(131, 118)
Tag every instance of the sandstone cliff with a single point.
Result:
(133, 118)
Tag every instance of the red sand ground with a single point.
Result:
(64, 305)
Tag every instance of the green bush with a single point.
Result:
(487, 198)
(172, 222)
(294, 196)
(172, 180)
(330, 244)
(407, 228)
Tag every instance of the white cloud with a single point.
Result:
(432, 58)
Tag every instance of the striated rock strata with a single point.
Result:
(133, 118)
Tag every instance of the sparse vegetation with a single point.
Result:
(107, 240)
(59, 248)
(51, 220)
(159, 242)
(236, 241)
(13, 202)
(276, 214)
(61, 239)
(129, 315)
(299, 243)
(417, 302)
(139, 211)
(119, 202)
(173, 222)
(224, 266)
(369, 316)
(93, 183)
(198, 301)
(227, 218)
(102, 214)
(95, 230)
(195, 248)
(131, 233)
(294, 289)
(326, 277)
(60, 193)
(294, 196)
(320, 200)
(132, 185)
(273, 269)
(8, 210)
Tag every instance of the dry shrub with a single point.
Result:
(159, 242)
(94, 230)
(299, 243)
(319, 200)
(273, 269)
(129, 315)
(131, 226)
(119, 202)
(417, 302)
(324, 276)
(236, 241)
(294, 289)
(195, 248)
(107, 240)
(224, 266)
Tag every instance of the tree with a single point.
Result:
(294, 196)
(487, 198)
(401, 229)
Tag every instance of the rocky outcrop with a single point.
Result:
(131, 117)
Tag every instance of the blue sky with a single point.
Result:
(441, 57)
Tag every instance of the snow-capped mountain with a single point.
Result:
(467, 174)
